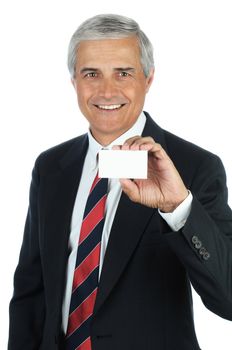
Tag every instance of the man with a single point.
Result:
(122, 282)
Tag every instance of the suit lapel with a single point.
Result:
(59, 191)
(129, 224)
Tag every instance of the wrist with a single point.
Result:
(177, 219)
(170, 207)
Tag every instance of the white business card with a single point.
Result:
(123, 164)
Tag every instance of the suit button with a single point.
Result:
(195, 239)
(198, 245)
(202, 251)
(206, 255)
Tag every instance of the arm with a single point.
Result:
(208, 226)
(204, 245)
(27, 307)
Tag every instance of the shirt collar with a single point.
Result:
(95, 147)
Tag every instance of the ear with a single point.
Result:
(149, 79)
(73, 81)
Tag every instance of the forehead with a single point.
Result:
(109, 51)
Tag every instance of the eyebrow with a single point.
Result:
(119, 69)
(122, 69)
(87, 69)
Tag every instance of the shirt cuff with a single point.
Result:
(177, 219)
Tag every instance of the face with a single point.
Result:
(110, 86)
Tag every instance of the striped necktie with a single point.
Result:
(85, 280)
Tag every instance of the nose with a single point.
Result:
(107, 88)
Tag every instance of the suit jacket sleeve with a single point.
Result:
(204, 245)
(27, 307)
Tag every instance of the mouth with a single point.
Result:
(110, 107)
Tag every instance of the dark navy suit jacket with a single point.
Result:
(144, 297)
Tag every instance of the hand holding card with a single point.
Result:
(163, 188)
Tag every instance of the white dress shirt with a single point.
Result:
(175, 220)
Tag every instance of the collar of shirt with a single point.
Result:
(95, 147)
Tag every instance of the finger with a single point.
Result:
(141, 140)
(135, 143)
(116, 147)
(131, 140)
(125, 147)
(130, 189)
(143, 144)
(154, 149)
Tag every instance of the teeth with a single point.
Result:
(109, 107)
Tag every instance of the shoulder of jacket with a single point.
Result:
(53, 155)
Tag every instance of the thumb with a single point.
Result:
(130, 188)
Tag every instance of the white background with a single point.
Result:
(191, 96)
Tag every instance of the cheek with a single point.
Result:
(137, 96)
(83, 96)
(135, 90)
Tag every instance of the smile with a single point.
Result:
(109, 107)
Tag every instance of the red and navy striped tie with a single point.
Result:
(85, 280)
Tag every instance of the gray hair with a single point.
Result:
(110, 26)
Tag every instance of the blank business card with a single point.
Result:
(123, 164)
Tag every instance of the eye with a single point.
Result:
(124, 74)
(91, 75)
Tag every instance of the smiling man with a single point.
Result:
(106, 264)
(110, 85)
